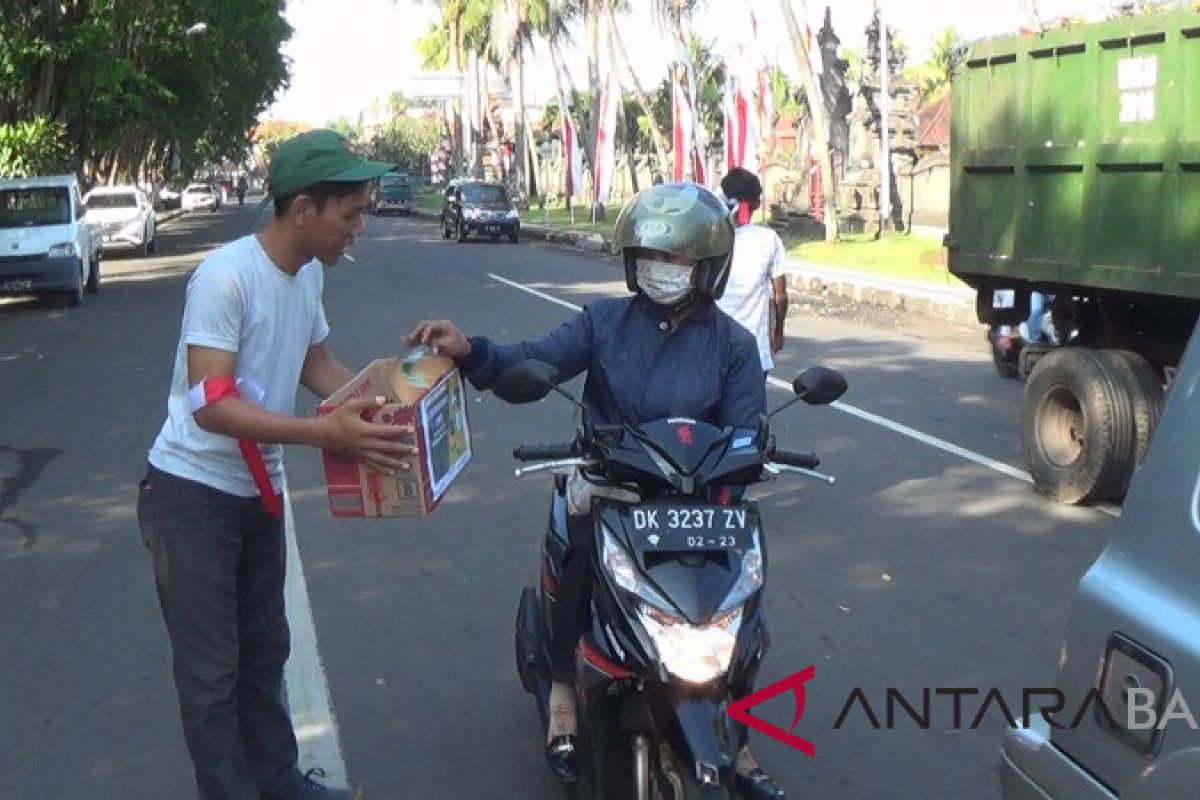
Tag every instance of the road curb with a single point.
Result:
(949, 303)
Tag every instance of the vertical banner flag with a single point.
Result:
(687, 151)
(764, 108)
(699, 171)
(681, 130)
(572, 161)
(743, 113)
(605, 141)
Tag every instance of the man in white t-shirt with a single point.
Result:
(756, 294)
(209, 507)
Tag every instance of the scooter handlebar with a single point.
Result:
(546, 452)
(804, 460)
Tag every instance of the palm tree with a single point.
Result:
(512, 28)
(934, 75)
(620, 56)
(818, 124)
(439, 47)
(671, 14)
(446, 44)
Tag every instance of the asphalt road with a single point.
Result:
(920, 569)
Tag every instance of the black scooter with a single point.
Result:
(676, 625)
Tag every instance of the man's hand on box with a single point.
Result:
(442, 336)
(344, 431)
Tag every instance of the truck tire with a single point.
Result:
(1005, 359)
(75, 295)
(1077, 427)
(1146, 393)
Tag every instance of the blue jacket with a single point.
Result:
(638, 369)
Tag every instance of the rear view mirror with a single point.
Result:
(526, 382)
(820, 386)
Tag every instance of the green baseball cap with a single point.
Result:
(315, 157)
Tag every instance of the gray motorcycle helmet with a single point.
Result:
(685, 220)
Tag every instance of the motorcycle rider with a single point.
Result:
(666, 351)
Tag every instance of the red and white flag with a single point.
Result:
(687, 152)
(572, 159)
(743, 105)
(606, 141)
(681, 128)
(741, 126)
(764, 107)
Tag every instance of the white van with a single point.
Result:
(46, 246)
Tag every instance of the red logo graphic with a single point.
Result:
(685, 433)
(740, 710)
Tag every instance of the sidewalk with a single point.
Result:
(950, 303)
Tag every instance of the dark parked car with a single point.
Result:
(471, 207)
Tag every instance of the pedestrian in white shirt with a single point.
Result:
(756, 294)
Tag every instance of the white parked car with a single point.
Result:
(123, 216)
(46, 246)
(199, 195)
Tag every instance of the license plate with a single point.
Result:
(679, 528)
(1004, 298)
(23, 285)
(492, 228)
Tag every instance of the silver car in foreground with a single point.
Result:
(1129, 671)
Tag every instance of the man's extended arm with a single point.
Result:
(322, 374)
(343, 431)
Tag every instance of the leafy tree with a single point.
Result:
(407, 142)
(33, 147)
(933, 76)
(131, 89)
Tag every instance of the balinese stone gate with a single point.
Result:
(791, 179)
(859, 201)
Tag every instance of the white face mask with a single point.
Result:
(664, 283)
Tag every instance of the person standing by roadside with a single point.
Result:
(756, 295)
(209, 508)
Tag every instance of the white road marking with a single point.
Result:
(867, 416)
(307, 687)
(535, 292)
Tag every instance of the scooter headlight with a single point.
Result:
(749, 581)
(694, 653)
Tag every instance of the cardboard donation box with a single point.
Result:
(422, 390)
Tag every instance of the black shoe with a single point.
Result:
(563, 758)
(757, 786)
(307, 788)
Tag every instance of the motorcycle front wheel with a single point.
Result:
(672, 782)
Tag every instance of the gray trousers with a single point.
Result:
(219, 563)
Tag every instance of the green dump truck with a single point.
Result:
(1075, 159)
